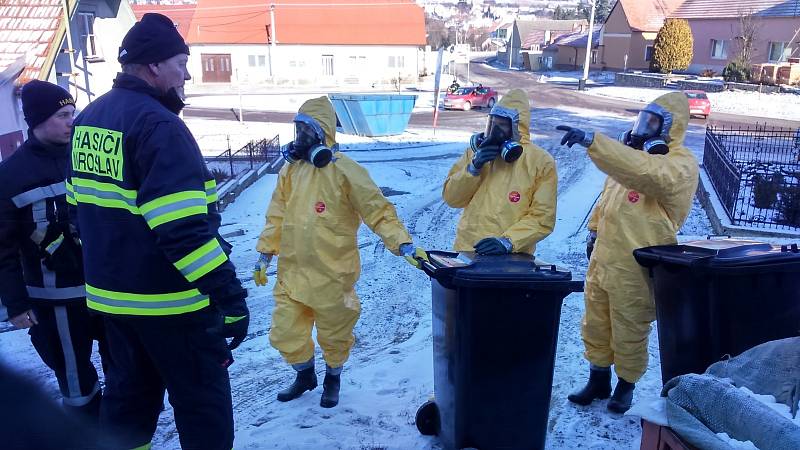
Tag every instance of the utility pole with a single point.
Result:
(511, 46)
(272, 40)
(582, 83)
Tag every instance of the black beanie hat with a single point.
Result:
(41, 99)
(151, 40)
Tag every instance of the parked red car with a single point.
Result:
(467, 98)
(699, 105)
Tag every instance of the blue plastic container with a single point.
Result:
(373, 114)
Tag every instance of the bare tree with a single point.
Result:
(749, 28)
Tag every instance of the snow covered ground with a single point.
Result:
(778, 106)
(390, 371)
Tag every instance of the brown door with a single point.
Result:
(216, 68)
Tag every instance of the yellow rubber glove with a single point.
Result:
(413, 255)
(260, 269)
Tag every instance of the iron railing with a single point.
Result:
(756, 174)
(229, 165)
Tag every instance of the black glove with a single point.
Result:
(237, 319)
(490, 246)
(590, 240)
(573, 136)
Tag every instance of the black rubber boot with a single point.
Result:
(330, 390)
(598, 387)
(623, 397)
(306, 381)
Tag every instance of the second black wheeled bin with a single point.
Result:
(495, 328)
(718, 298)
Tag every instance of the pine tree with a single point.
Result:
(673, 49)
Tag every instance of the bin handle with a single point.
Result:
(722, 236)
(427, 267)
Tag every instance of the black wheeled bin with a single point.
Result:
(495, 328)
(718, 298)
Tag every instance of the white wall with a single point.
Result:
(303, 64)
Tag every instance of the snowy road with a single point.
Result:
(390, 372)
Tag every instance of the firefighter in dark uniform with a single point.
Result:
(41, 273)
(156, 266)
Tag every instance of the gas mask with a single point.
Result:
(309, 143)
(500, 132)
(650, 131)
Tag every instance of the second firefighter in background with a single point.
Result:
(312, 223)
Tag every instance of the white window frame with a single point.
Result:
(649, 49)
(786, 50)
(91, 51)
(251, 60)
(714, 47)
(594, 56)
(502, 33)
(391, 62)
(262, 60)
(328, 68)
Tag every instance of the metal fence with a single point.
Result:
(756, 174)
(229, 165)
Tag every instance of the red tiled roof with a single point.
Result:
(648, 15)
(28, 28)
(181, 15)
(321, 22)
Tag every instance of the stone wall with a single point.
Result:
(686, 85)
(639, 80)
(763, 88)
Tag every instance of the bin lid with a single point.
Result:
(719, 254)
(514, 271)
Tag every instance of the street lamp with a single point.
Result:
(582, 83)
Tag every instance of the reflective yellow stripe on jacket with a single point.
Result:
(145, 304)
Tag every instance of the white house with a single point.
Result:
(357, 43)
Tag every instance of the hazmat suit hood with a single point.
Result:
(516, 101)
(674, 109)
(321, 110)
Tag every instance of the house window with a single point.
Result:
(594, 56)
(648, 53)
(779, 51)
(327, 65)
(251, 60)
(502, 33)
(535, 47)
(719, 49)
(397, 61)
(262, 61)
(88, 38)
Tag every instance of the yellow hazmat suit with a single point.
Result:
(312, 222)
(645, 201)
(512, 200)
